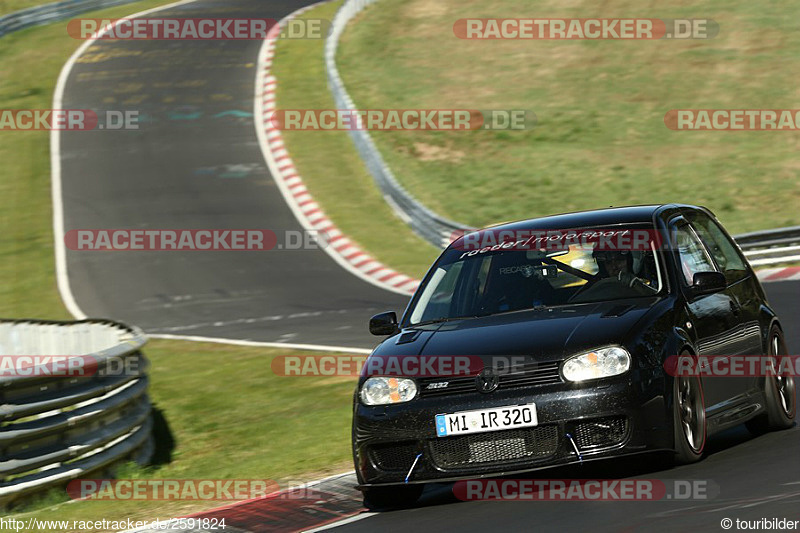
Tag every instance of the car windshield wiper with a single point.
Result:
(440, 320)
(534, 308)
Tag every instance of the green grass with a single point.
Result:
(26, 242)
(232, 418)
(600, 138)
(9, 6)
(330, 165)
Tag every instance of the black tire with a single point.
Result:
(394, 497)
(779, 393)
(689, 418)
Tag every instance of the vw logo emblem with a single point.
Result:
(487, 380)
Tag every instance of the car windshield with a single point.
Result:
(514, 275)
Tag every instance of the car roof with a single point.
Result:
(635, 214)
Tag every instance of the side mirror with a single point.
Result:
(708, 282)
(383, 324)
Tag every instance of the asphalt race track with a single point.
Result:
(195, 163)
(756, 477)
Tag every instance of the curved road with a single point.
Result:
(195, 163)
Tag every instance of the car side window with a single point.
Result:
(692, 255)
(721, 247)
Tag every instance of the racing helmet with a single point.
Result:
(601, 256)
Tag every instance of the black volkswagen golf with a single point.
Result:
(575, 321)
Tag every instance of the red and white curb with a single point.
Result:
(767, 275)
(308, 212)
(314, 506)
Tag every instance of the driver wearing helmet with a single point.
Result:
(617, 266)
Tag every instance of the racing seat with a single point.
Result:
(513, 285)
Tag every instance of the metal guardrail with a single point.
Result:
(45, 14)
(55, 428)
(771, 247)
(430, 226)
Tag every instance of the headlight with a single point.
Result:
(597, 364)
(382, 390)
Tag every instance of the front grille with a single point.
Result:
(522, 376)
(601, 432)
(394, 457)
(533, 374)
(496, 447)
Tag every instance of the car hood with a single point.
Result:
(545, 335)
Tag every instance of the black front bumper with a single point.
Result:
(613, 419)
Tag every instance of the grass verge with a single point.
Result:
(9, 6)
(600, 138)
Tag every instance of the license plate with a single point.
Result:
(480, 421)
